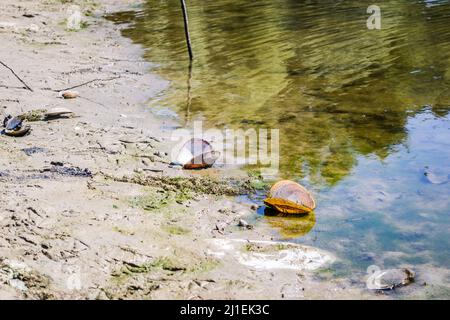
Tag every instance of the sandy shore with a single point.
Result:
(128, 226)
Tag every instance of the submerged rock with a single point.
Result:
(390, 279)
(437, 176)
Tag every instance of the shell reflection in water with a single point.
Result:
(290, 226)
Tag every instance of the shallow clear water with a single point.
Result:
(362, 113)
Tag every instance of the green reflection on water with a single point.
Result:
(311, 69)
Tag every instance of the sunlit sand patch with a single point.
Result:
(267, 255)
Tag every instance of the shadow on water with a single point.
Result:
(361, 112)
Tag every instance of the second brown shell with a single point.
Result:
(290, 197)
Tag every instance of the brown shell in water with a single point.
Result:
(289, 197)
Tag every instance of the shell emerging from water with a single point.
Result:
(197, 154)
(289, 197)
(390, 279)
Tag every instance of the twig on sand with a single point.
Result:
(83, 243)
(153, 170)
(9, 87)
(15, 74)
(86, 83)
(93, 101)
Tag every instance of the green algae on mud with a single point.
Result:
(176, 230)
(161, 263)
(152, 200)
(190, 184)
(255, 247)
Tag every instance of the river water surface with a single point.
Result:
(363, 114)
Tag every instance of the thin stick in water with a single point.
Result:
(189, 96)
(186, 29)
